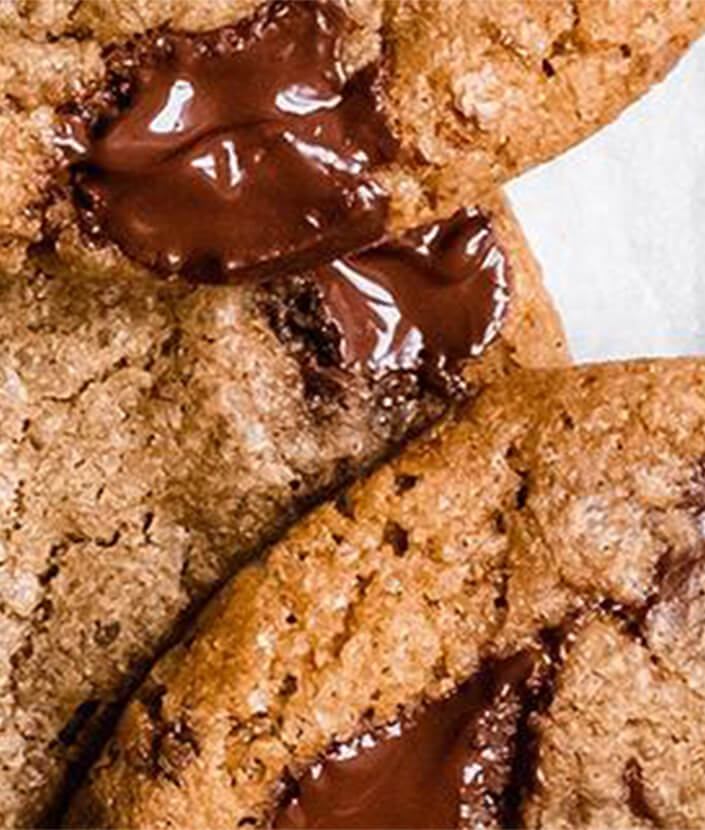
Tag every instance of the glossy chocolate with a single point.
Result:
(447, 767)
(439, 294)
(242, 150)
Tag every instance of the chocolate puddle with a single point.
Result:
(437, 295)
(243, 150)
(447, 767)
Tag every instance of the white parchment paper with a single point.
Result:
(618, 225)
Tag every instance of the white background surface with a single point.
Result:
(618, 225)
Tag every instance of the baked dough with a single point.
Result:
(152, 437)
(560, 514)
(476, 90)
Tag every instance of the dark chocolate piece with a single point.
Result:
(446, 767)
(437, 295)
(242, 150)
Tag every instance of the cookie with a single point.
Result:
(154, 435)
(401, 112)
(502, 627)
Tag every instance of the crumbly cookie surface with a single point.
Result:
(621, 744)
(560, 512)
(476, 91)
(152, 436)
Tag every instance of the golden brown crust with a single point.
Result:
(477, 91)
(558, 496)
(488, 89)
(151, 437)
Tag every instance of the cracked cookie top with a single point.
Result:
(528, 573)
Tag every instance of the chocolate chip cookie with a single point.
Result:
(393, 114)
(155, 434)
(502, 627)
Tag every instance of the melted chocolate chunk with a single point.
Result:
(437, 295)
(242, 150)
(446, 767)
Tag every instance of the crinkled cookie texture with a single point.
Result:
(476, 90)
(152, 436)
(561, 513)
